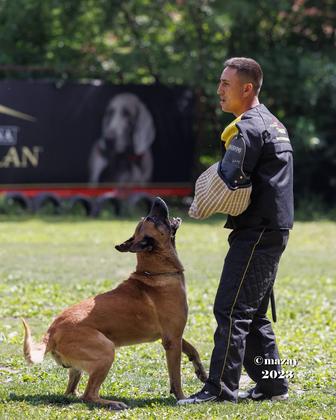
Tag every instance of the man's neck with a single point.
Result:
(248, 105)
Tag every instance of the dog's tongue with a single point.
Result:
(159, 209)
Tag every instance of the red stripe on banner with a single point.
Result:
(163, 191)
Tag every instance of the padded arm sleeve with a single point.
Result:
(231, 168)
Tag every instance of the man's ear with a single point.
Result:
(125, 246)
(248, 89)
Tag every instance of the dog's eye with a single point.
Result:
(125, 113)
(147, 240)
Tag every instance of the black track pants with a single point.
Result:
(243, 330)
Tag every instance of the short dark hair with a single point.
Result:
(248, 69)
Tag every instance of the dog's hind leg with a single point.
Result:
(102, 352)
(193, 356)
(74, 378)
(87, 349)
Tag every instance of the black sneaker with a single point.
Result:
(256, 395)
(202, 396)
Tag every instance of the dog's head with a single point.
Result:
(127, 125)
(154, 232)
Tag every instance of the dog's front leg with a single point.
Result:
(173, 347)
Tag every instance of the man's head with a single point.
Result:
(239, 85)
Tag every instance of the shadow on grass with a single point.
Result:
(62, 401)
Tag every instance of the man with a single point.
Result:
(257, 152)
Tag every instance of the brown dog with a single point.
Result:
(150, 305)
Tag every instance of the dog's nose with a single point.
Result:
(110, 135)
(159, 209)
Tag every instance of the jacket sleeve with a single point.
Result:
(238, 162)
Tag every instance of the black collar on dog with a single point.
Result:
(149, 274)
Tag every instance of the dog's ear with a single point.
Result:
(144, 131)
(125, 246)
(175, 223)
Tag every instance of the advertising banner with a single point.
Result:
(94, 134)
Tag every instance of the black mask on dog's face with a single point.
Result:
(153, 231)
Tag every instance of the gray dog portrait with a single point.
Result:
(122, 153)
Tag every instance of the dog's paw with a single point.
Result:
(109, 404)
(117, 405)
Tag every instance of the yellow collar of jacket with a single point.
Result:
(230, 131)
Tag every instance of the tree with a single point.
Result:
(186, 42)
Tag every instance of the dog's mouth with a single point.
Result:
(159, 214)
(112, 147)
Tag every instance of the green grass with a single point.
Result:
(48, 264)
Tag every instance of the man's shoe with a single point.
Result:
(256, 395)
(200, 397)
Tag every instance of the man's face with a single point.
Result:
(231, 91)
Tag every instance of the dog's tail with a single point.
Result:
(33, 353)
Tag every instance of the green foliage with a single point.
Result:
(52, 263)
(186, 42)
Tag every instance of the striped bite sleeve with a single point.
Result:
(213, 196)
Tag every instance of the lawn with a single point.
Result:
(48, 264)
